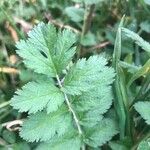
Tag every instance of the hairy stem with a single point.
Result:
(70, 107)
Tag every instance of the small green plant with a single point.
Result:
(68, 101)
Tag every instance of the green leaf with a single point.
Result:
(131, 67)
(147, 2)
(21, 146)
(119, 89)
(9, 136)
(69, 108)
(43, 126)
(144, 145)
(118, 146)
(84, 74)
(145, 26)
(101, 133)
(88, 39)
(88, 2)
(138, 40)
(141, 72)
(45, 51)
(143, 109)
(70, 141)
(35, 96)
(93, 105)
(75, 14)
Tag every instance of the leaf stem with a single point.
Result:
(86, 25)
(87, 19)
(70, 107)
(4, 104)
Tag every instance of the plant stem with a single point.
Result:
(86, 25)
(70, 107)
(4, 104)
(87, 19)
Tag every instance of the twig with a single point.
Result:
(87, 19)
(9, 70)
(86, 25)
(70, 107)
(98, 47)
(2, 142)
(10, 124)
(60, 24)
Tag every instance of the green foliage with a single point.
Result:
(145, 26)
(52, 55)
(84, 74)
(119, 89)
(141, 72)
(143, 109)
(144, 145)
(70, 140)
(75, 14)
(88, 39)
(75, 118)
(43, 126)
(68, 110)
(35, 96)
(88, 2)
(138, 40)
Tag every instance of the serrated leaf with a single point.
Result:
(45, 51)
(101, 133)
(43, 126)
(83, 75)
(35, 96)
(84, 89)
(143, 109)
(71, 141)
(95, 100)
(144, 145)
